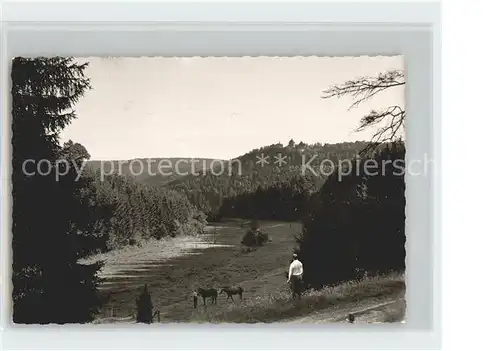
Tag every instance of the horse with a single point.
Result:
(230, 291)
(204, 293)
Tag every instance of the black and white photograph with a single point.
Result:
(156, 190)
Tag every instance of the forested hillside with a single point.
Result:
(266, 189)
(247, 186)
(124, 212)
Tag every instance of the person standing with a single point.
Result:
(195, 298)
(295, 274)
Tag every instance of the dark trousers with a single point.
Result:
(296, 284)
(195, 301)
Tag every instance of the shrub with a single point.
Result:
(255, 238)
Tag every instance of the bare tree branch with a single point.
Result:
(362, 89)
(392, 130)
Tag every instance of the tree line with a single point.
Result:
(124, 212)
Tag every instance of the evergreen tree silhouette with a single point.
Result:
(356, 223)
(144, 307)
(49, 286)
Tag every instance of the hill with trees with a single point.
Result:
(267, 189)
(254, 185)
(123, 212)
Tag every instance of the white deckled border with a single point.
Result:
(258, 29)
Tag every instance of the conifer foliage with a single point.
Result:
(356, 223)
(49, 286)
(136, 212)
(144, 305)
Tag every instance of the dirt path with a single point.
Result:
(368, 311)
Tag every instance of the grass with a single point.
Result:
(171, 281)
(278, 306)
(151, 252)
(394, 313)
(172, 274)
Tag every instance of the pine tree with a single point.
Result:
(346, 229)
(49, 285)
(144, 307)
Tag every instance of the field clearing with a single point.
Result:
(122, 262)
(174, 268)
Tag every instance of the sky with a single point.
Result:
(219, 107)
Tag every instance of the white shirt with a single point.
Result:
(295, 268)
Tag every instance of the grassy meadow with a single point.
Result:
(266, 296)
(332, 304)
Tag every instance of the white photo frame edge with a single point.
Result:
(258, 29)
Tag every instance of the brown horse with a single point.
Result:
(230, 291)
(204, 293)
